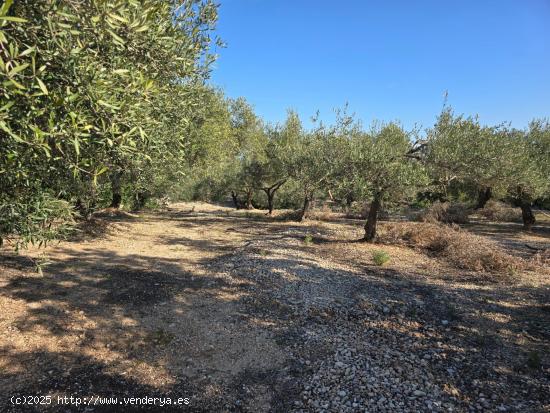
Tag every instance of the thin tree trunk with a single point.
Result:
(484, 195)
(305, 209)
(116, 189)
(349, 202)
(527, 215)
(270, 192)
(249, 199)
(372, 219)
(270, 196)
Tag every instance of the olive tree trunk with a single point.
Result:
(270, 197)
(249, 199)
(116, 189)
(270, 192)
(372, 219)
(236, 202)
(305, 208)
(483, 197)
(527, 215)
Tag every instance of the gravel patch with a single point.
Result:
(365, 343)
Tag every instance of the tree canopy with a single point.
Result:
(106, 103)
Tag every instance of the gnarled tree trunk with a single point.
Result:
(270, 196)
(235, 200)
(372, 219)
(527, 215)
(305, 208)
(270, 192)
(249, 199)
(484, 195)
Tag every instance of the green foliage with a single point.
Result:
(497, 157)
(37, 220)
(462, 150)
(380, 257)
(308, 159)
(105, 101)
(501, 161)
(381, 166)
(530, 169)
(86, 91)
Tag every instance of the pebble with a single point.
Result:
(403, 363)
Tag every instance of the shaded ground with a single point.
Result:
(238, 313)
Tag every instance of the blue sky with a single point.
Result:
(388, 59)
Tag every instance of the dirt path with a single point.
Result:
(238, 313)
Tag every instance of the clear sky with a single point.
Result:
(388, 59)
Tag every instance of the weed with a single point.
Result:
(41, 262)
(412, 312)
(451, 312)
(534, 360)
(161, 337)
(308, 239)
(380, 257)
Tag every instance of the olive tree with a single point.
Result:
(461, 150)
(78, 82)
(382, 165)
(531, 168)
(271, 171)
(310, 163)
(494, 160)
(251, 140)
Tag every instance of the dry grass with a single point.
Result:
(324, 213)
(445, 212)
(542, 258)
(359, 210)
(460, 248)
(497, 211)
(286, 215)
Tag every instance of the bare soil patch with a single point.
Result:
(240, 312)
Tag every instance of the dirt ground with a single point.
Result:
(238, 312)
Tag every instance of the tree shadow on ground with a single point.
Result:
(119, 307)
(495, 331)
(133, 312)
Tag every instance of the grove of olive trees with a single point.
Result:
(205, 254)
(104, 104)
